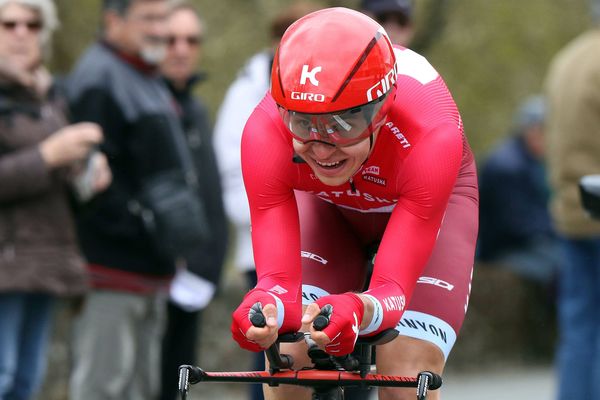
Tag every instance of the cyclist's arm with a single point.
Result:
(427, 180)
(268, 171)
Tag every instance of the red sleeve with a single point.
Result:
(426, 183)
(269, 176)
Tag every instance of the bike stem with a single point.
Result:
(278, 361)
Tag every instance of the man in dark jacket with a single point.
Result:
(116, 84)
(515, 226)
(195, 283)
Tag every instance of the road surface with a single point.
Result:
(510, 383)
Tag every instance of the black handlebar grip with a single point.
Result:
(435, 381)
(257, 317)
(322, 320)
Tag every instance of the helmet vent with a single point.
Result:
(358, 64)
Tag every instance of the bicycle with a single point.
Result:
(329, 375)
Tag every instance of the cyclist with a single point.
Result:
(358, 144)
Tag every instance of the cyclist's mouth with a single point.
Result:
(330, 165)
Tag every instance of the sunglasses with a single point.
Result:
(191, 40)
(32, 25)
(342, 128)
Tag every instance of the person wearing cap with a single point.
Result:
(197, 278)
(396, 17)
(513, 188)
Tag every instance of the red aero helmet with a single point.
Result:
(334, 61)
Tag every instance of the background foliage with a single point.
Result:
(491, 53)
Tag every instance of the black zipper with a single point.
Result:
(352, 187)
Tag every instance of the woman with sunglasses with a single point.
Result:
(39, 156)
(358, 146)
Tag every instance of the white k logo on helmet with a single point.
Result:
(311, 75)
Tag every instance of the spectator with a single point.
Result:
(39, 152)
(116, 84)
(513, 188)
(573, 93)
(242, 96)
(396, 17)
(194, 286)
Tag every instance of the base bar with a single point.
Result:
(308, 378)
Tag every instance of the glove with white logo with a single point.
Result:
(344, 322)
(288, 316)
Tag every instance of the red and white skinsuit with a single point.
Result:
(416, 195)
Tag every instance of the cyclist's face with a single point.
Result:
(333, 165)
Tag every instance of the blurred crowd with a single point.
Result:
(117, 193)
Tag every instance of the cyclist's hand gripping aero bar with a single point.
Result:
(241, 323)
(277, 360)
(345, 311)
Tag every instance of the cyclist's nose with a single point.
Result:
(321, 130)
(323, 150)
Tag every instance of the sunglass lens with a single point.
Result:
(33, 26)
(9, 25)
(190, 40)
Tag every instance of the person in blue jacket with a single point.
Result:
(515, 226)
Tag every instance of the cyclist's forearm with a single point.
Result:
(384, 306)
(288, 290)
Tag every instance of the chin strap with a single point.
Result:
(296, 159)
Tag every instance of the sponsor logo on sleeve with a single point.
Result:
(399, 135)
(436, 282)
(314, 257)
(278, 289)
(394, 303)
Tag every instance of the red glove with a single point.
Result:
(288, 318)
(344, 322)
